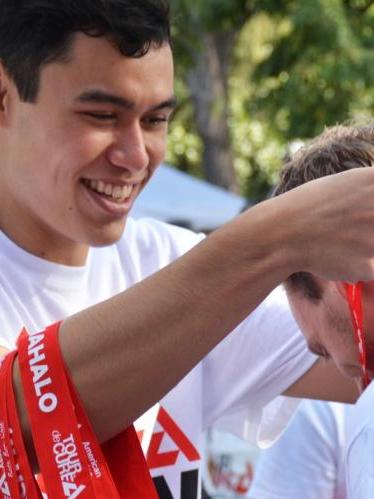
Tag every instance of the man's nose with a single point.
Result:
(129, 150)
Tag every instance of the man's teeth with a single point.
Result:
(117, 192)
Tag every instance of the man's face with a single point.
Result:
(327, 326)
(74, 161)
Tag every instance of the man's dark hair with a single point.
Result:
(337, 149)
(34, 33)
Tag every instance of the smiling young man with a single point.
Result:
(86, 92)
(93, 114)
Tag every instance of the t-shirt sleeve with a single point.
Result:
(360, 447)
(360, 466)
(244, 375)
(305, 460)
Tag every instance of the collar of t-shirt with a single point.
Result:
(49, 274)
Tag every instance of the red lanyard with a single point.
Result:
(71, 461)
(16, 478)
(354, 298)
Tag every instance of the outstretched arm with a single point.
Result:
(127, 352)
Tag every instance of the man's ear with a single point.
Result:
(4, 95)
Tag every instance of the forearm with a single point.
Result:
(138, 345)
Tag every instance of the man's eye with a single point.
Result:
(100, 116)
(156, 120)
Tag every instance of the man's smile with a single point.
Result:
(113, 191)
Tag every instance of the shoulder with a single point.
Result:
(360, 443)
(360, 416)
(327, 419)
(360, 419)
(326, 412)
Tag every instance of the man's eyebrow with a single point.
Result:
(102, 97)
(166, 104)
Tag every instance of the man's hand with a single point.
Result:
(328, 226)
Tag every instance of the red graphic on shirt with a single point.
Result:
(224, 477)
(157, 459)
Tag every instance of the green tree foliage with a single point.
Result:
(205, 38)
(292, 68)
(321, 69)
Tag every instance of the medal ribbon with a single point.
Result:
(354, 299)
(16, 478)
(72, 463)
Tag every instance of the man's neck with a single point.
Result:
(54, 250)
(38, 239)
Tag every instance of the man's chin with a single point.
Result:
(108, 235)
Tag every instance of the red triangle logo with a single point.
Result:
(157, 459)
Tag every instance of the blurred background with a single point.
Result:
(254, 80)
(253, 76)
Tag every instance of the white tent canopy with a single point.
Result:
(174, 196)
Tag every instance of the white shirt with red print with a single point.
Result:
(235, 387)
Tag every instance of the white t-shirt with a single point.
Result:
(360, 447)
(308, 460)
(229, 388)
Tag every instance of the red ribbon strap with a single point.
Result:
(354, 298)
(71, 461)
